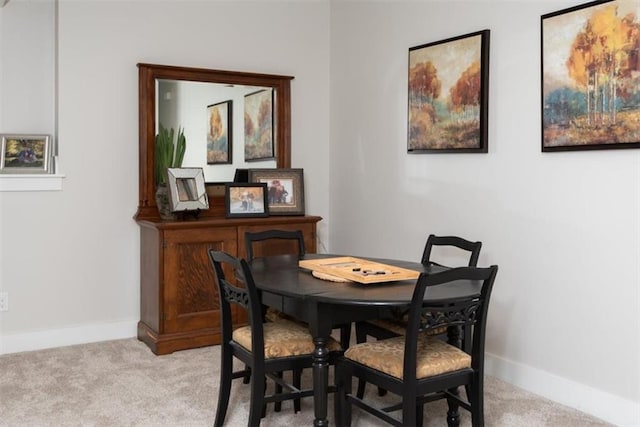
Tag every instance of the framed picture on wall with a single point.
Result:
(258, 125)
(285, 188)
(448, 95)
(25, 154)
(219, 133)
(590, 77)
(246, 200)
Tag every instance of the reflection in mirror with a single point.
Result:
(187, 104)
(206, 83)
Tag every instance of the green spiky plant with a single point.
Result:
(168, 153)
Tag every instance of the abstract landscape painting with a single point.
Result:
(448, 86)
(591, 77)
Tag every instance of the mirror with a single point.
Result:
(207, 88)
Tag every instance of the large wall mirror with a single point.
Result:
(181, 97)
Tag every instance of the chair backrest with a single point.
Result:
(469, 312)
(247, 297)
(251, 237)
(472, 247)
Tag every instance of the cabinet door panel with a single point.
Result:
(191, 298)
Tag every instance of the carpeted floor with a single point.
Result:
(122, 383)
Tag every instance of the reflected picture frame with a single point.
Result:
(448, 95)
(220, 133)
(285, 189)
(245, 200)
(25, 154)
(187, 190)
(590, 91)
(259, 126)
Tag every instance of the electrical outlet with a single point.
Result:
(4, 301)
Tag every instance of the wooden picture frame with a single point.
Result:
(244, 200)
(590, 86)
(448, 95)
(285, 189)
(219, 133)
(25, 154)
(258, 126)
(187, 191)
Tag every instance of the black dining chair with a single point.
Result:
(266, 349)
(278, 242)
(397, 325)
(420, 368)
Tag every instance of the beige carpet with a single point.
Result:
(121, 383)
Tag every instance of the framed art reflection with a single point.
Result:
(219, 148)
(258, 125)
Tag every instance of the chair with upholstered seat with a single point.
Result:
(278, 242)
(267, 349)
(420, 368)
(393, 327)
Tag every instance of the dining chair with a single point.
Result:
(280, 242)
(420, 368)
(267, 349)
(397, 325)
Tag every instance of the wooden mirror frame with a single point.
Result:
(147, 76)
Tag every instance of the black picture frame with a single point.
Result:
(245, 200)
(448, 99)
(589, 97)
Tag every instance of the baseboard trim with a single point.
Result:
(39, 340)
(606, 406)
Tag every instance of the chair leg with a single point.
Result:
(453, 415)
(247, 378)
(345, 336)
(226, 368)
(361, 385)
(342, 407)
(277, 406)
(297, 381)
(257, 404)
(476, 399)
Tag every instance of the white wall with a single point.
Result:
(563, 227)
(70, 259)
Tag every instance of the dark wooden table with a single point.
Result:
(325, 305)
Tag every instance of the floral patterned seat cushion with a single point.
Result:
(282, 338)
(434, 357)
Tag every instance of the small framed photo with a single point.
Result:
(186, 189)
(285, 188)
(590, 81)
(258, 125)
(25, 154)
(449, 95)
(219, 137)
(243, 199)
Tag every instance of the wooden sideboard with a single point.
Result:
(178, 298)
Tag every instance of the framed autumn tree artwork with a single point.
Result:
(448, 95)
(591, 77)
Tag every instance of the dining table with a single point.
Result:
(326, 304)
